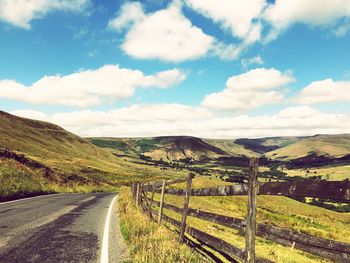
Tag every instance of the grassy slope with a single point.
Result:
(230, 147)
(332, 145)
(330, 173)
(74, 164)
(148, 241)
(173, 147)
(278, 211)
(168, 148)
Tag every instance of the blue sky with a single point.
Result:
(220, 69)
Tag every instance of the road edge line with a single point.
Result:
(104, 249)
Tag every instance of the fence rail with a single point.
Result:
(338, 191)
(329, 249)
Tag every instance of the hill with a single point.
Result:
(174, 147)
(334, 146)
(37, 156)
(264, 145)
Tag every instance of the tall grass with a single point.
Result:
(147, 241)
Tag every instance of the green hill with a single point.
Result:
(328, 145)
(37, 156)
(173, 148)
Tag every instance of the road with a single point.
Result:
(61, 228)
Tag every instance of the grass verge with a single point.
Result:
(147, 241)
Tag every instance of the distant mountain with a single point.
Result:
(167, 148)
(230, 152)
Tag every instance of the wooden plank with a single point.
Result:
(227, 190)
(185, 209)
(319, 249)
(251, 211)
(330, 249)
(215, 243)
(332, 190)
(161, 202)
(160, 184)
(338, 191)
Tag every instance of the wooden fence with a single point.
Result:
(329, 249)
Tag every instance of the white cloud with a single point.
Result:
(129, 13)
(247, 62)
(285, 13)
(89, 87)
(167, 35)
(21, 12)
(234, 15)
(324, 91)
(250, 90)
(31, 114)
(176, 119)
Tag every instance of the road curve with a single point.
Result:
(61, 228)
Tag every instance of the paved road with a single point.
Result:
(60, 228)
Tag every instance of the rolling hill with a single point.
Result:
(321, 145)
(37, 156)
(181, 147)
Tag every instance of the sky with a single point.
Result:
(212, 69)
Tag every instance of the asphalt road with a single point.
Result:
(61, 228)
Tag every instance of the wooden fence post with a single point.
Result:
(251, 211)
(133, 192)
(152, 200)
(185, 209)
(161, 203)
(137, 194)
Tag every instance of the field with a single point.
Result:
(278, 211)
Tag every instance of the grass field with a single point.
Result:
(330, 173)
(277, 211)
(147, 241)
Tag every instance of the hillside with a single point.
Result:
(264, 145)
(37, 156)
(167, 148)
(177, 148)
(328, 145)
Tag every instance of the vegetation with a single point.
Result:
(329, 145)
(149, 242)
(39, 157)
(278, 211)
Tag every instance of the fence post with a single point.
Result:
(161, 203)
(133, 192)
(152, 200)
(137, 194)
(185, 209)
(251, 211)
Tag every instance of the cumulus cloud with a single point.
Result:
(177, 119)
(21, 12)
(166, 35)
(250, 90)
(89, 87)
(283, 14)
(324, 91)
(236, 16)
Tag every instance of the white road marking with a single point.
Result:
(104, 251)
